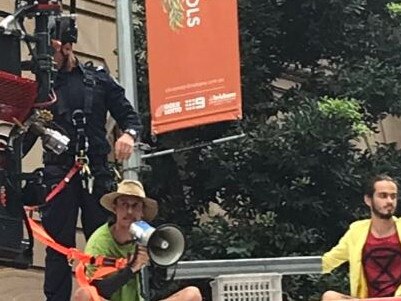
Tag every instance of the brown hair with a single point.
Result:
(370, 184)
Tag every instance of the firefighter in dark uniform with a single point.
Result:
(85, 95)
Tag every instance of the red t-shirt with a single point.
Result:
(381, 259)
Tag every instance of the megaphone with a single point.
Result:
(166, 243)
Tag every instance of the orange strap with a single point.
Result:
(118, 263)
(72, 253)
(84, 282)
(106, 265)
(60, 186)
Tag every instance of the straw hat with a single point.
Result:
(131, 188)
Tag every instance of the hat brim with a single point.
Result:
(150, 207)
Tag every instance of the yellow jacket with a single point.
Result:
(349, 248)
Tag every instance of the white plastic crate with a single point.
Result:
(247, 287)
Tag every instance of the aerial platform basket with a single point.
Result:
(17, 96)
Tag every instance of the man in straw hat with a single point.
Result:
(129, 204)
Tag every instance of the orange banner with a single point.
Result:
(193, 56)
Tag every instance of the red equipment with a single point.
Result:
(17, 96)
(20, 99)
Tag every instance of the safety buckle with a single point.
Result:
(70, 256)
(70, 262)
(89, 81)
(82, 159)
(78, 118)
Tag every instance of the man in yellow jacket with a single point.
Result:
(371, 247)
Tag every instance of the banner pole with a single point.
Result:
(127, 74)
(128, 79)
(192, 147)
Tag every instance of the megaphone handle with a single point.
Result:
(145, 288)
(134, 257)
(144, 277)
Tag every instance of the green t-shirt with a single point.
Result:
(102, 243)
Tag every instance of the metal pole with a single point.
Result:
(174, 150)
(127, 73)
(128, 79)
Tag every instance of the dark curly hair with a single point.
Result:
(370, 184)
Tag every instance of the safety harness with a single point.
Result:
(81, 163)
(106, 265)
(61, 185)
(79, 121)
(81, 149)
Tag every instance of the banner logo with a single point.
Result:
(175, 12)
(182, 13)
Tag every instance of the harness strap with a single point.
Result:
(105, 265)
(60, 186)
(78, 119)
(40, 234)
(117, 263)
(81, 148)
(90, 83)
(84, 282)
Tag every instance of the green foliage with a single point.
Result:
(347, 109)
(293, 185)
(311, 287)
(374, 82)
(386, 159)
(229, 238)
(394, 8)
(315, 162)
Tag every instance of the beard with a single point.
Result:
(386, 213)
(69, 62)
(65, 62)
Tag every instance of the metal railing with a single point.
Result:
(212, 268)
